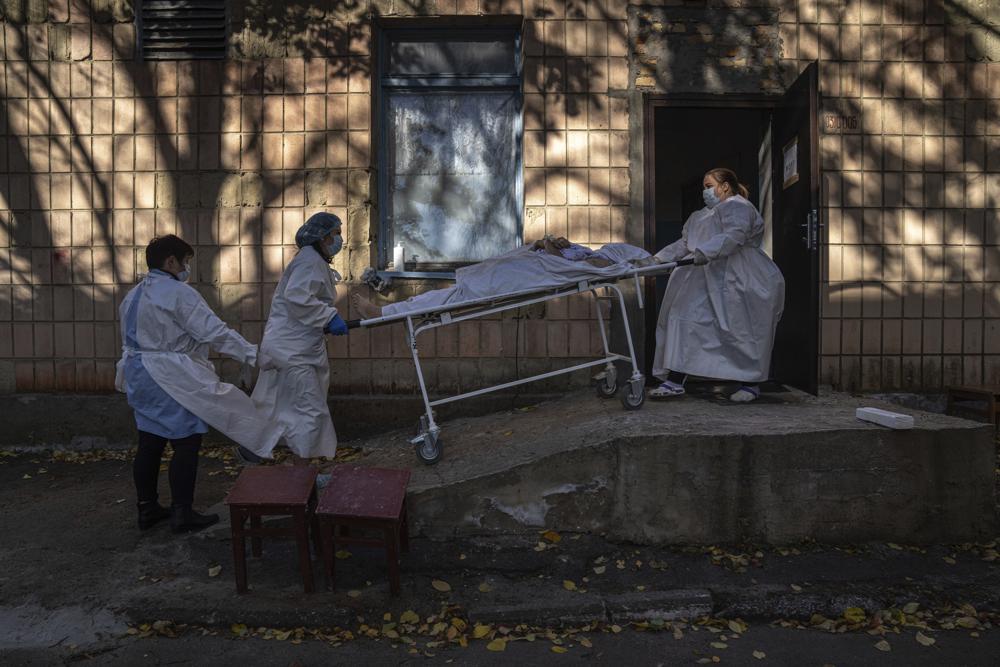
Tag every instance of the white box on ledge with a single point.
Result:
(885, 418)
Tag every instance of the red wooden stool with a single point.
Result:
(273, 491)
(365, 498)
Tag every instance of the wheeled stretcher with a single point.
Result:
(427, 441)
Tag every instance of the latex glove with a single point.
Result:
(336, 326)
(699, 257)
(646, 261)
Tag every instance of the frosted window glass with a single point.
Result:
(452, 162)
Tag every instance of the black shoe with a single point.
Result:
(184, 519)
(151, 513)
(246, 457)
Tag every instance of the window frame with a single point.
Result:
(382, 85)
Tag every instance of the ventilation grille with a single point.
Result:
(183, 29)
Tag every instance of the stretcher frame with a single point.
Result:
(427, 441)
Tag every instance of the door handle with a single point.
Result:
(811, 225)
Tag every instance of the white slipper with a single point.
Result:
(667, 390)
(745, 395)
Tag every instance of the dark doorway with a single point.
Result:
(750, 135)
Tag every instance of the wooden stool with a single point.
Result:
(372, 498)
(273, 491)
(988, 395)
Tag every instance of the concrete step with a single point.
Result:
(701, 470)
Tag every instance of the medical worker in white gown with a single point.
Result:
(718, 317)
(167, 330)
(293, 385)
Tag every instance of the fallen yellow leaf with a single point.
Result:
(214, 570)
(342, 554)
(586, 643)
(559, 649)
(552, 536)
(480, 631)
(924, 640)
(854, 614)
(616, 628)
(883, 645)
(485, 588)
(353, 594)
(497, 645)
(409, 616)
(737, 627)
(459, 624)
(967, 622)
(569, 585)
(910, 608)
(760, 655)
(238, 629)
(441, 586)
(600, 569)
(719, 645)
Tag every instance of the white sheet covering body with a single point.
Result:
(718, 320)
(294, 393)
(519, 269)
(175, 329)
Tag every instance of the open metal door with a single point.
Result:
(795, 232)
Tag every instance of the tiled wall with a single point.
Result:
(911, 268)
(912, 282)
(101, 151)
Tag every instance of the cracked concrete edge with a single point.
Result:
(148, 611)
(582, 608)
(779, 601)
(664, 605)
(763, 602)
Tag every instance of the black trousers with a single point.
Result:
(183, 467)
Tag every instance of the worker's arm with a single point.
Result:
(197, 319)
(737, 223)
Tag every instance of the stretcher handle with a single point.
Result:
(353, 324)
(685, 262)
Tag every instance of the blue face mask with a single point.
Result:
(334, 248)
(185, 274)
(711, 199)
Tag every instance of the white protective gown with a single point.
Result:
(175, 329)
(718, 320)
(295, 392)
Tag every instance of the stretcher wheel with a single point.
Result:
(606, 389)
(428, 448)
(632, 399)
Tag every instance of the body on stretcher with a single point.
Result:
(427, 442)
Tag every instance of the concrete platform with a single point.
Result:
(700, 470)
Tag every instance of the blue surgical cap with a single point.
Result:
(315, 228)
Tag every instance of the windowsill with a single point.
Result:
(418, 275)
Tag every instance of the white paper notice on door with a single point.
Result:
(790, 156)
